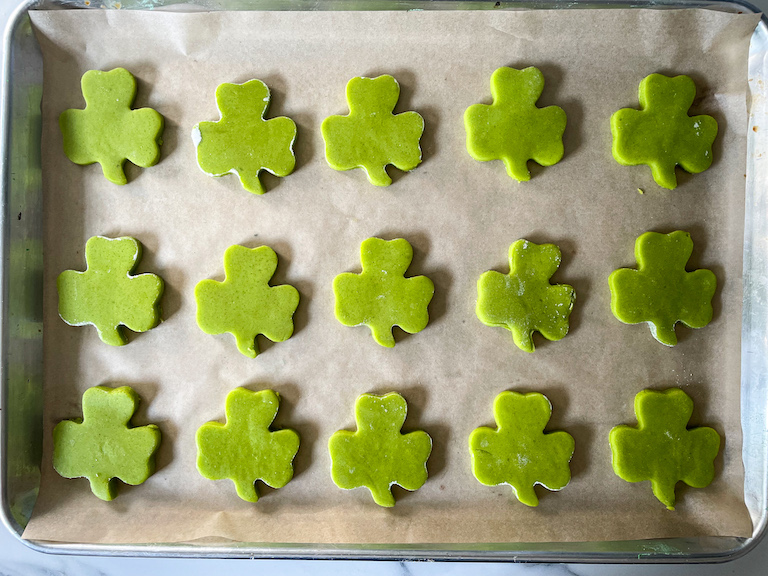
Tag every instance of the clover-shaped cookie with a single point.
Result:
(377, 455)
(107, 131)
(518, 452)
(244, 142)
(106, 295)
(381, 297)
(102, 446)
(661, 292)
(245, 449)
(244, 304)
(661, 134)
(662, 448)
(524, 301)
(513, 129)
(371, 136)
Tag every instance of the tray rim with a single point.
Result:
(307, 551)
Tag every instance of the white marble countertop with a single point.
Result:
(16, 559)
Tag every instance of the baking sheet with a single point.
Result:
(460, 215)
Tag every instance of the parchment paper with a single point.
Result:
(459, 214)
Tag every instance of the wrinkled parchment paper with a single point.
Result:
(459, 214)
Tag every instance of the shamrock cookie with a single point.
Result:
(661, 292)
(377, 455)
(107, 131)
(513, 129)
(371, 136)
(244, 142)
(518, 452)
(381, 297)
(244, 304)
(106, 295)
(661, 134)
(524, 301)
(661, 448)
(245, 449)
(102, 446)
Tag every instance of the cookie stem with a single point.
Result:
(664, 174)
(383, 336)
(523, 339)
(246, 491)
(665, 493)
(247, 346)
(665, 335)
(382, 495)
(378, 176)
(527, 495)
(252, 183)
(517, 169)
(114, 172)
(103, 487)
(112, 335)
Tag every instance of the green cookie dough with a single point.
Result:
(245, 449)
(371, 136)
(377, 455)
(243, 142)
(661, 134)
(107, 131)
(381, 297)
(102, 446)
(244, 304)
(106, 295)
(660, 291)
(524, 301)
(513, 129)
(661, 448)
(519, 453)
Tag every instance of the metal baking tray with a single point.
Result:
(21, 272)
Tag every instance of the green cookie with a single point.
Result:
(107, 131)
(513, 129)
(244, 142)
(661, 134)
(661, 448)
(381, 297)
(106, 295)
(660, 291)
(102, 446)
(377, 455)
(519, 453)
(245, 449)
(524, 301)
(244, 304)
(371, 136)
